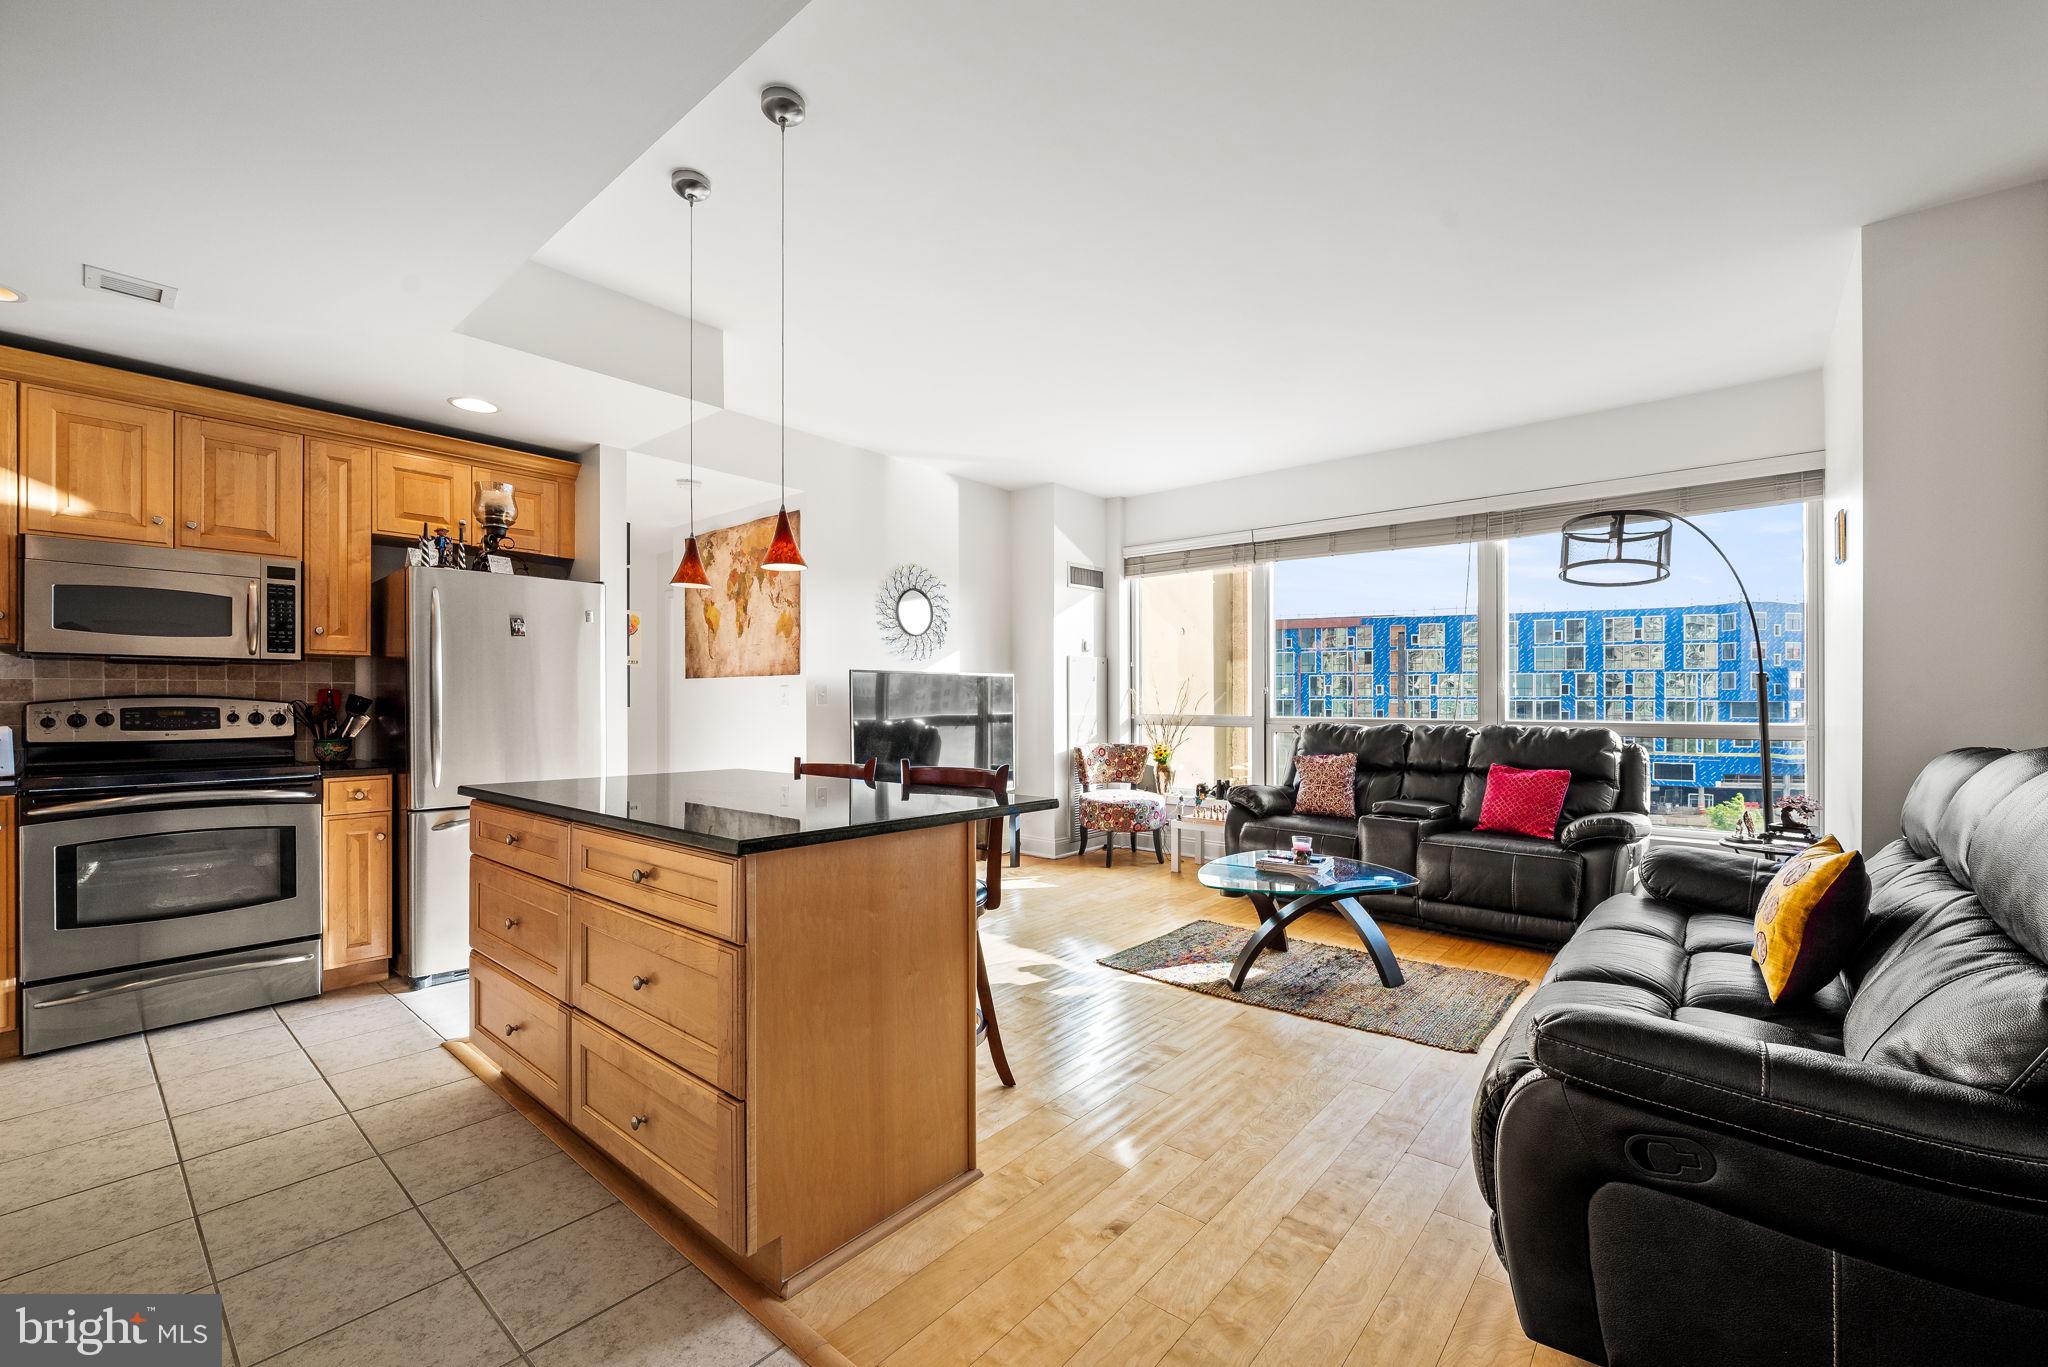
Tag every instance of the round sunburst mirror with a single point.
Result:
(912, 612)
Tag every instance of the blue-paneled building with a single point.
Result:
(1682, 664)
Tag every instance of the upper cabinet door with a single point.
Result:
(539, 526)
(10, 525)
(415, 489)
(337, 578)
(95, 467)
(240, 488)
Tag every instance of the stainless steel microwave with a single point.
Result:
(105, 598)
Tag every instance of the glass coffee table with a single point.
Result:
(1331, 883)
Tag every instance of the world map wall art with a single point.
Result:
(749, 623)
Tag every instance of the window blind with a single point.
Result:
(1498, 525)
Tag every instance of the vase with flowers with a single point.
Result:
(1166, 730)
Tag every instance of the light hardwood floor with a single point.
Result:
(1178, 1179)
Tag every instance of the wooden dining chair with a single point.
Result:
(988, 892)
(864, 772)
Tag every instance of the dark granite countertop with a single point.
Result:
(745, 811)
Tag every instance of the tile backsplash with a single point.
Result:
(24, 680)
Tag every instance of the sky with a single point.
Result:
(1766, 544)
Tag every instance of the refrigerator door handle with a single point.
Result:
(449, 823)
(434, 681)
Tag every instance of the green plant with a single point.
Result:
(1726, 816)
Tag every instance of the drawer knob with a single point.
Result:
(191, 526)
(156, 520)
(511, 840)
(380, 837)
(642, 875)
(359, 794)
(640, 982)
(512, 1028)
(511, 921)
(638, 1121)
(319, 631)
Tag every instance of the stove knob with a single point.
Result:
(234, 717)
(75, 719)
(277, 719)
(104, 719)
(48, 723)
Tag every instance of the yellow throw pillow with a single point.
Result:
(1809, 918)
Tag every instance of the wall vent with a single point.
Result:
(148, 291)
(1082, 577)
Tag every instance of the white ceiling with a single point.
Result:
(1142, 244)
(334, 188)
(1124, 246)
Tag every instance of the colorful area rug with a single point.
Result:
(1439, 1005)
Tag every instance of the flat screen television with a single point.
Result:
(965, 720)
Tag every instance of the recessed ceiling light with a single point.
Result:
(8, 296)
(469, 403)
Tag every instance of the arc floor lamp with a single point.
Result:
(1632, 546)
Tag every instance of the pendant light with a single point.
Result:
(694, 188)
(785, 109)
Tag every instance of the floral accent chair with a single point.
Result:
(1111, 803)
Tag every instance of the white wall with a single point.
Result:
(601, 558)
(1666, 438)
(1052, 527)
(1841, 654)
(862, 515)
(1954, 425)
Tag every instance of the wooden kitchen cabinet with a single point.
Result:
(413, 489)
(95, 467)
(10, 951)
(240, 488)
(356, 944)
(339, 497)
(10, 519)
(541, 527)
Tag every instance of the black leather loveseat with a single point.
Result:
(1419, 792)
(1681, 1173)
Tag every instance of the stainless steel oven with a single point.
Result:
(105, 598)
(170, 865)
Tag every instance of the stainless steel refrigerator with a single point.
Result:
(499, 678)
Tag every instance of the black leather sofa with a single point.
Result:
(1419, 792)
(1682, 1173)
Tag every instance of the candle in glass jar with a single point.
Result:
(494, 504)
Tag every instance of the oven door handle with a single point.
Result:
(139, 802)
(163, 979)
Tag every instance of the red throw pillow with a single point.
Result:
(1523, 801)
(1326, 785)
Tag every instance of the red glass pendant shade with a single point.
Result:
(690, 573)
(782, 551)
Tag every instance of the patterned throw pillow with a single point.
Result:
(1326, 785)
(1809, 919)
(1523, 801)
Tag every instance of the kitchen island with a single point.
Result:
(754, 993)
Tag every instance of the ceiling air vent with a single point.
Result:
(1082, 577)
(148, 291)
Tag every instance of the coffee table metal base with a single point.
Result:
(1274, 914)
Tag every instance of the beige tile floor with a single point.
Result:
(350, 1190)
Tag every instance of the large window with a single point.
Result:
(1400, 635)
(1403, 627)
(1194, 670)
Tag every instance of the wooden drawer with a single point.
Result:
(673, 1132)
(683, 886)
(523, 1031)
(674, 991)
(538, 845)
(522, 923)
(359, 796)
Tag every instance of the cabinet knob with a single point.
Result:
(380, 836)
(642, 875)
(191, 526)
(640, 982)
(511, 840)
(156, 521)
(511, 921)
(319, 631)
(359, 794)
(512, 1028)
(637, 1121)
